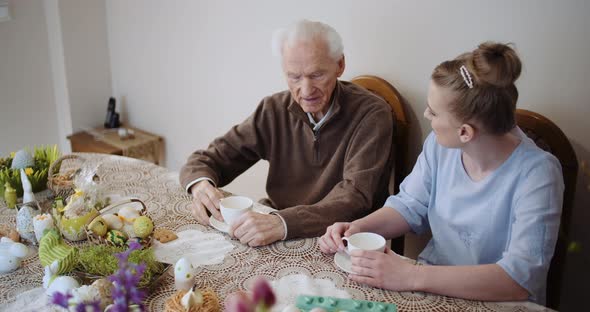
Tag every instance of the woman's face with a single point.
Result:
(445, 125)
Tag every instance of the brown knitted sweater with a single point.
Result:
(338, 173)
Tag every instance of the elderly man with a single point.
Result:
(327, 142)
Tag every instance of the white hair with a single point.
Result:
(305, 30)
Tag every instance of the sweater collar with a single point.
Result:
(295, 108)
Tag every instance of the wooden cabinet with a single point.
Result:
(138, 144)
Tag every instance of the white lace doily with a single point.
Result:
(199, 247)
(29, 301)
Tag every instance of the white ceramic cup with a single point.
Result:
(364, 241)
(233, 207)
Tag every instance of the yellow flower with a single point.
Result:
(12, 154)
(29, 171)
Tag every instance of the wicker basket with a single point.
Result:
(62, 184)
(93, 238)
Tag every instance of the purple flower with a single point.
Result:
(125, 291)
(61, 299)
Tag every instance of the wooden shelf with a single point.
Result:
(144, 145)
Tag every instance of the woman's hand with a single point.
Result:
(331, 242)
(384, 270)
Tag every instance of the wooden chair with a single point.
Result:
(386, 91)
(550, 138)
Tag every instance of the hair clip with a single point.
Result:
(466, 76)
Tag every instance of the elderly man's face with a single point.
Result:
(311, 75)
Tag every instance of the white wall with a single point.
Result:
(54, 71)
(27, 107)
(189, 70)
(87, 63)
(205, 65)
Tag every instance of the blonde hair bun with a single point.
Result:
(495, 64)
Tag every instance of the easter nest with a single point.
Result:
(62, 183)
(119, 236)
(210, 302)
(98, 261)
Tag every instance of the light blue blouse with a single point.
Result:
(510, 218)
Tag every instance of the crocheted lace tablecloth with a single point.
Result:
(293, 267)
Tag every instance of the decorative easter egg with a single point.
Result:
(184, 274)
(116, 238)
(98, 226)
(143, 226)
(104, 287)
(128, 214)
(24, 223)
(41, 223)
(112, 221)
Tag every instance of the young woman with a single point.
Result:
(490, 196)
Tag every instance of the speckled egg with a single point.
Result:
(116, 238)
(24, 223)
(143, 226)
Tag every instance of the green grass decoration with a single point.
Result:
(99, 260)
(43, 156)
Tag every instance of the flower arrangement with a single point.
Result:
(126, 294)
(102, 260)
(36, 166)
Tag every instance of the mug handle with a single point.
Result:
(345, 242)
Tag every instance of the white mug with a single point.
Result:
(364, 241)
(233, 207)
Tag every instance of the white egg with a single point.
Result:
(62, 284)
(129, 213)
(113, 222)
(183, 274)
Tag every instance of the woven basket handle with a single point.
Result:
(57, 163)
(123, 202)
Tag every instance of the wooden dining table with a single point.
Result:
(293, 267)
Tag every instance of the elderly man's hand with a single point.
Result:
(256, 229)
(205, 197)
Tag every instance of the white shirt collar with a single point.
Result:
(317, 125)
